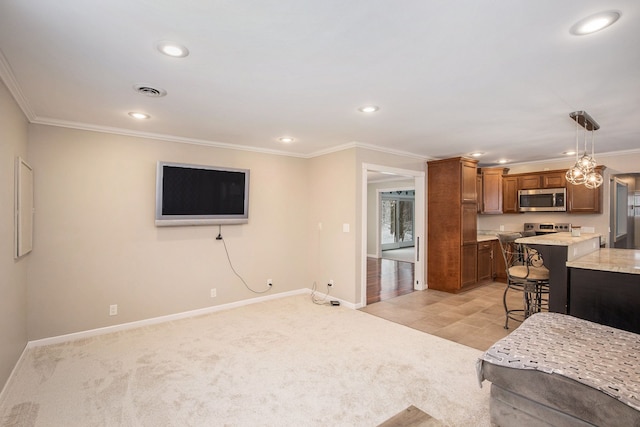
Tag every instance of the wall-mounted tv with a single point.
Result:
(201, 195)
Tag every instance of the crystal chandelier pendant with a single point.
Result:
(593, 180)
(583, 172)
(575, 175)
(586, 163)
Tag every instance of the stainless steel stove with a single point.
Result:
(540, 228)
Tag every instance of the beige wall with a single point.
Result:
(97, 243)
(13, 273)
(332, 203)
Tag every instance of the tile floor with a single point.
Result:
(474, 318)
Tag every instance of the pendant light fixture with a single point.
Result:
(584, 172)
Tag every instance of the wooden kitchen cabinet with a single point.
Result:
(485, 261)
(490, 197)
(469, 263)
(546, 179)
(469, 222)
(479, 194)
(500, 269)
(452, 224)
(509, 194)
(581, 199)
(469, 174)
(529, 182)
(555, 179)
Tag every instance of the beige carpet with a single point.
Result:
(285, 362)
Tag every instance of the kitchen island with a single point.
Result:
(604, 287)
(556, 249)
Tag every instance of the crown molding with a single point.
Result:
(195, 141)
(356, 144)
(159, 137)
(8, 77)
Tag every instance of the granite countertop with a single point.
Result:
(486, 237)
(557, 239)
(615, 260)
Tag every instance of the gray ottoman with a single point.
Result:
(558, 370)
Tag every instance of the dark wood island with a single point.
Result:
(604, 287)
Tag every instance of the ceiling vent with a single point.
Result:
(150, 91)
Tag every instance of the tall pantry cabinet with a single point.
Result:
(451, 224)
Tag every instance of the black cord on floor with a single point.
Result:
(219, 237)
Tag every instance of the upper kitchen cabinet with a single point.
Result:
(581, 199)
(490, 198)
(554, 179)
(528, 182)
(509, 194)
(451, 223)
(469, 172)
(546, 179)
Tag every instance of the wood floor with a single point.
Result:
(474, 318)
(387, 278)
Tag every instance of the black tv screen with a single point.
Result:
(201, 195)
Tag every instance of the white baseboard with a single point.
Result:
(131, 325)
(155, 320)
(13, 371)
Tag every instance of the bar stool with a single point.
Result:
(526, 274)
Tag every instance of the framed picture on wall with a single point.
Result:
(23, 208)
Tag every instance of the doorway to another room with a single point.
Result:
(394, 225)
(396, 216)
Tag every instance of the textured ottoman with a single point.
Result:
(559, 370)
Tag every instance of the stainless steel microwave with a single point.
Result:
(542, 200)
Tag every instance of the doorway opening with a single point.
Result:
(397, 223)
(392, 232)
(625, 211)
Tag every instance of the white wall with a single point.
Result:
(13, 273)
(96, 242)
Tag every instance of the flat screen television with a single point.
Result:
(201, 195)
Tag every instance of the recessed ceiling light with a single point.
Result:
(139, 116)
(503, 161)
(286, 139)
(476, 154)
(172, 49)
(569, 153)
(369, 109)
(594, 23)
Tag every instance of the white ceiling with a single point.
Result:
(450, 77)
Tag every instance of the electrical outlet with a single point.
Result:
(502, 228)
(269, 282)
(331, 282)
(214, 293)
(113, 309)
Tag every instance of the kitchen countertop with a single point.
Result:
(557, 239)
(486, 237)
(615, 260)
(573, 247)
